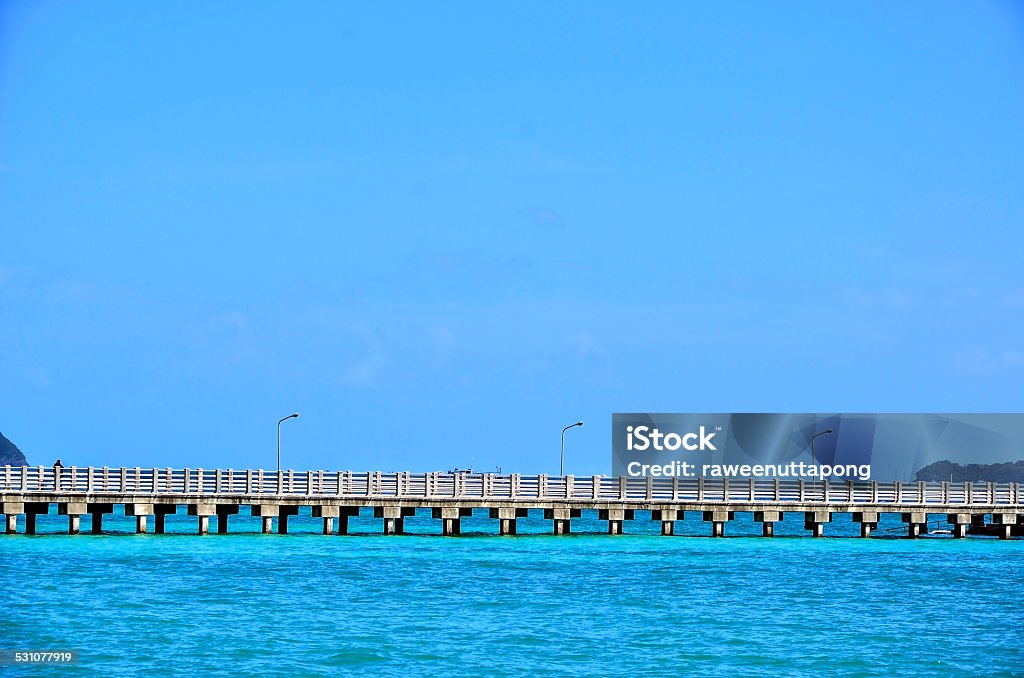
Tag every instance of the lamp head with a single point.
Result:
(828, 430)
(579, 423)
(295, 415)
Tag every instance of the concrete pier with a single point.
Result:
(335, 496)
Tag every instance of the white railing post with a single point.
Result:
(569, 482)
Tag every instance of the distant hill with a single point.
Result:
(10, 454)
(1007, 472)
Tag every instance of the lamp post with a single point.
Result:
(561, 456)
(294, 415)
(819, 433)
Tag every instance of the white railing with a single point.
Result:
(349, 484)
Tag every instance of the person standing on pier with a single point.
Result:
(57, 466)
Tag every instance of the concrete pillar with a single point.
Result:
(718, 518)
(767, 520)
(506, 518)
(140, 511)
(203, 512)
(614, 518)
(223, 511)
(958, 523)
(668, 527)
(97, 511)
(328, 525)
(815, 521)
(393, 518)
(916, 522)
(560, 519)
(343, 523)
(450, 517)
(868, 521)
(267, 512)
(283, 513)
(11, 509)
(33, 509)
(74, 511)
(160, 511)
(1005, 521)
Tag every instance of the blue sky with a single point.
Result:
(442, 233)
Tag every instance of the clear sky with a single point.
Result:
(443, 231)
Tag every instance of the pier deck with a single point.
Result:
(26, 492)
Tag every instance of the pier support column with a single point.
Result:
(223, 511)
(328, 513)
(267, 512)
(393, 516)
(668, 518)
(160, 512)
(917, 522)
(767, 520)
(815, 521)
(283, 513)
(718, 518)
(450, 517)
(203, 512)
(33, 509)
(97, 511)
(344, 513)
(11, 509)
(1006, 521)
(506, 518)
(561, 518)
(958, 523)
(868, 521)
(615, 517)
(74, 512)
(140, 511)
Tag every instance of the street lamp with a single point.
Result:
(561, 456)
(293, 415)
(819, 433)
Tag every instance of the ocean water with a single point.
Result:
(306, 604)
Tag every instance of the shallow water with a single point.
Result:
(585, 604)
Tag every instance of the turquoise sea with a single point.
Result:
(641, 604)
